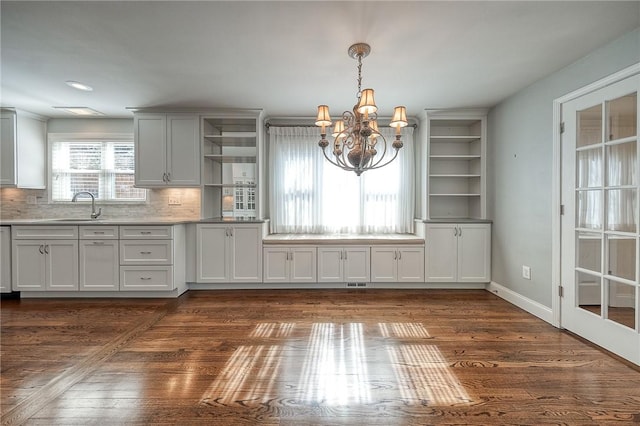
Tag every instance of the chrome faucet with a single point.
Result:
(94, 214)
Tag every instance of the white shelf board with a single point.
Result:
(231, 158)
(454, 176)
(454, 195)
(435, 138)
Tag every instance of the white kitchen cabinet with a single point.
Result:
(344, 264)
(5, 259)
(167, 150)
(99, 258)
(44, 258)
(45, 265)
(99, 265)
(290, 264)
(458, 252)
(228, 253)
(22, 150)
(397, 264)
(151, 258)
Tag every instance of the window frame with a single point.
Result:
(86, 137)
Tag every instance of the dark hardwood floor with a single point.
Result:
(304, 357)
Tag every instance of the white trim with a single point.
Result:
(314, 286)
(534, 308)
(556, 182)
(89, 137)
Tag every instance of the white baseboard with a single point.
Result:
(534, 308)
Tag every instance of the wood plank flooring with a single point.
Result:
(304, 357)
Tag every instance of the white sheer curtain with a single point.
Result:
(307, 194)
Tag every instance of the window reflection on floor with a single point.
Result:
(337, 365)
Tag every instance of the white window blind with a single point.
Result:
(104, 168)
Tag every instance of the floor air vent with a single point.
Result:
(356, 285)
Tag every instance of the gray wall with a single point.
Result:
(519, 162)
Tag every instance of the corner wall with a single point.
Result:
(519, 165)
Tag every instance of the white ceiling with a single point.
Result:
(288, 57)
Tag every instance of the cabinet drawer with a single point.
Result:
(148, 278)
(146, 232)
(45, 232)
(158, 252)
(99, 232)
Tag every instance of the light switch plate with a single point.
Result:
(175, 201)
(526, 272)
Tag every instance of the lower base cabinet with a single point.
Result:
(5, 259)
(49, 264)
(289, 264)
(344, 264)
(397, 264)
(458, 252)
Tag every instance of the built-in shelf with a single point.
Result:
(456, 166)
(231, 152)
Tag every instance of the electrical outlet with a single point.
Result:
(526, 272)
(175, 201)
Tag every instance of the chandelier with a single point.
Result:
(357, 145)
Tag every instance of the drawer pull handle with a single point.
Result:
(98, 232)
(41, 249)
(98, 243)
(145, 278)
(145, 232)
(145, 252)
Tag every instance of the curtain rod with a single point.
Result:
(267, 125)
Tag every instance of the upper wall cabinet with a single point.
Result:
(455, 164)
(231, 174)
(167, 150)
(22, 150)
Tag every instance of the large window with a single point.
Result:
(307, 194)
(102, 166)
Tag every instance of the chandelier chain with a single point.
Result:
(359, 76)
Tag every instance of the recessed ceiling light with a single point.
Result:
(79, 110)
(79, 86)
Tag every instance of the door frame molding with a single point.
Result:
(556, 189)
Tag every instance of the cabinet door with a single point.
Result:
(183, 150)
(276, 264)
(246, 254)
(410, 264)
(28, 266)
(474, 253)
(302, 261)
(212, 257)
(357, 264)
(8, 149)
(442, 253)
(99, 265)
(5, 259)
(330, 264)
(150, 150)
(384, 264)
(62, 264)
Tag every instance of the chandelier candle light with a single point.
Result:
(356, 136)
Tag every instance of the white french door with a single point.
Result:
(600, 226)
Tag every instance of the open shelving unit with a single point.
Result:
(231, 152)
(456, 184)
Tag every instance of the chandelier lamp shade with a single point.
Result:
(357, 144)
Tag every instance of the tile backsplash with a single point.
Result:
(14, 204)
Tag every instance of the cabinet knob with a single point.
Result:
(41, 249)
(46, 248)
